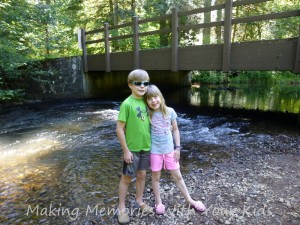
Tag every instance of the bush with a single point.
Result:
(209, 77)
(257, 77)
(11, 95)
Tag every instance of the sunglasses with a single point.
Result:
(140, 83)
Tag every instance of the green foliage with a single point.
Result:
(253, 77)
(271, 29)
(33, 30)
(256, 77)
(209, 77)
(37, 71)
(11, 95)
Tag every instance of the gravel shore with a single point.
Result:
(265, 190)
(246, 188)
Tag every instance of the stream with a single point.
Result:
(60, 162)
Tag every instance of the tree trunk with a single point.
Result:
(163, 38)
(207, 19)
(133, 7)
(218, 29)
(111, 6)
(47, 41)
(116, 8)
(234, 27)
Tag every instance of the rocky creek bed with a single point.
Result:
(67, 157)
(257, 185)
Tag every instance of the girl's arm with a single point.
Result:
(127, 155)
(176, 137)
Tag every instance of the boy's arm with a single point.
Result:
(176, 137)
(127, 155)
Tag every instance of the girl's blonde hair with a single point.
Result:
(153, 91)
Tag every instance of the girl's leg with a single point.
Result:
(155, 187)
(198, 205)
(176, 175)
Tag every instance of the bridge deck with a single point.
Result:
(277, 55)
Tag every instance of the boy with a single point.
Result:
(135, 143)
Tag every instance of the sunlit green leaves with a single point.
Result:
(39, 29)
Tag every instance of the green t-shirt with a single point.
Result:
(134, 113)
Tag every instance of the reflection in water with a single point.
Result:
(266, 98)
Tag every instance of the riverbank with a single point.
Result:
(257, 185)
(263, 191)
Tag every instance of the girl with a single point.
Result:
(163, 151)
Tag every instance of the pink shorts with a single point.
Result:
(158, 160)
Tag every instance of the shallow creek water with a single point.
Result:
(60, 163)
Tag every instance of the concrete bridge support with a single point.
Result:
(108, 84)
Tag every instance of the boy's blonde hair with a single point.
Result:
(138, 75)
(153, 91)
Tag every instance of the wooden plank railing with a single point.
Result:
(228, 22)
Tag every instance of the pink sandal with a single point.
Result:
(199, 206)
(160, 209)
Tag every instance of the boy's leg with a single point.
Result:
(123, 188)
(155, 186)
(144, 157)
(140, 185)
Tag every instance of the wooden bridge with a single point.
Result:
(276, 55)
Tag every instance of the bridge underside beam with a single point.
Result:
(275, 55)
(101, 83)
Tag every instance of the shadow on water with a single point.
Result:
(61, 162)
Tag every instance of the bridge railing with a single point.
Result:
(175, 29)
